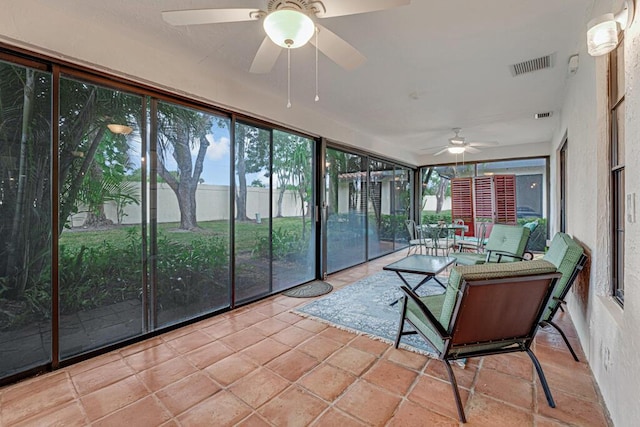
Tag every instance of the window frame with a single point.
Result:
(616, 98)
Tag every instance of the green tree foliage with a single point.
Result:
(25, 156)
(292, 156)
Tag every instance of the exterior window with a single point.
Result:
(617, 150)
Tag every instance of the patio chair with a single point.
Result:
(506, 243)
(476, 243)
(460, 222)
(416, 242)
(487, 309)
(438, 238)
(569, 258)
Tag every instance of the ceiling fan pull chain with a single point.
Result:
(289, 76)
(317, 97)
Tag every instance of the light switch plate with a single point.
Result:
(631, 208)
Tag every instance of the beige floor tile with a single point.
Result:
(294, 407)
(184, 394)
(263, 365)
(369, 403)
(327, 381)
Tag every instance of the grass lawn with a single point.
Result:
(246, 233)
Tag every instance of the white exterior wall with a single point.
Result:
(609, 333)
(212, 203)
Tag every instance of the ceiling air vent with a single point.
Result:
(532, 65)
(543, 115)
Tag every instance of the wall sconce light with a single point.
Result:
(602, 35)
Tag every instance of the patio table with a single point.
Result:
(427, 265)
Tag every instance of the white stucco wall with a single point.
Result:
(609, 334)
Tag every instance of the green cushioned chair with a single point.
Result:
(506, 243)
(569, 258)
(487, 309)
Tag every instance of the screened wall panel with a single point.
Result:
(25, 218)
(293, 224)
(100, 256)
(190, 246)
(346, 200)
(253, 212)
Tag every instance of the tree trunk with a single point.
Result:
(440, 195)
(425, 182)
(96, 217)
(187, 203)
(241, 194)
(281, 192)
(16, 242)
(74, 188)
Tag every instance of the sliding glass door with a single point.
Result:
(189, 222)
(25, 217)
(275, 223)
(293, 237)
(346, 209)
(100, 255)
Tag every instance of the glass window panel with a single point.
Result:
(345, 187)
(192, 213)
(617, 115)
(619, 74)
(293, 224)
(531, 196)
(436, 192)
(381, 208)
(401, 202)
(25, 218)
(619, 139)
(253, 212)
(619, 239)
(100, 260)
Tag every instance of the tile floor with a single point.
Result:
(264, 366)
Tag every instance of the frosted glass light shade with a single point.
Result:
(120, 129)
(289, 28)
(602, 35)
(456, 150)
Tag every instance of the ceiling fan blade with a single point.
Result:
(470, 149)
(209, 16)
(444, 150)
(266, 57)
(483, 144)
(352, 7)
(338, 50)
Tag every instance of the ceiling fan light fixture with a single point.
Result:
(120, 129)
(455, 150)
(289, 28)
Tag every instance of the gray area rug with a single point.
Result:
(363, 308)
(308, 290)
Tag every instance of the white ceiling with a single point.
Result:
(431, 66)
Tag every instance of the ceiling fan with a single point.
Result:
(458, 145)
(291, 24)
